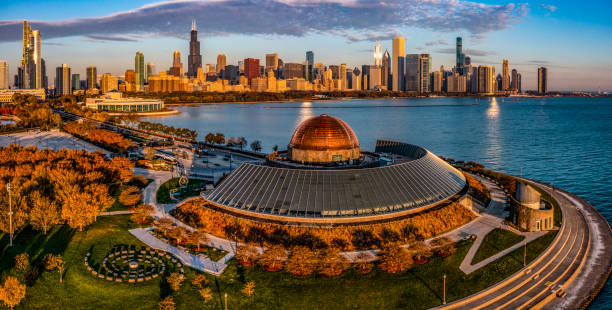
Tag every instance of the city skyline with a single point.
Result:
(486, 44)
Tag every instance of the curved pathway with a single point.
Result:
(560, 270)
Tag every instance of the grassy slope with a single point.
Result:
(420, 287)
(163, 193)
(494, 242)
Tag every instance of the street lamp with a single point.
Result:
(444, 293)
(525, 254)
(225, 301)
(10, 213)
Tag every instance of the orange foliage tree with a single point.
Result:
(302, 261)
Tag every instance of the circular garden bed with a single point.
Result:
(127, 264)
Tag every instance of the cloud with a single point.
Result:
(438, 42)
(54, 43)
(358, 19)
(467, 51)
(103, 38)
(549, 7)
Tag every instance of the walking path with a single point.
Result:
(488, 221)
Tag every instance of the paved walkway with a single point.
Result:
(110, 213)
(492, 218)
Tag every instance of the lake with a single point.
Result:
(564, 141)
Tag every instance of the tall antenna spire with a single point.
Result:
(193, 25)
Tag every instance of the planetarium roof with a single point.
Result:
(301, 193)
(323, 132)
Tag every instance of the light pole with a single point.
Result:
(525, 254)
(444, 292)
(225, 301)
(10, 213)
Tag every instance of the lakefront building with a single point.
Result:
(114, 102)
(324, 177)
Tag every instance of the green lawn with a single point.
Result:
(193, 189)
(494, 242)
(420, 287)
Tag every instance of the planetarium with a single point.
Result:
(324, 177)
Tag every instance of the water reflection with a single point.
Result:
(305, 113)
(493, 110)
(493, 144)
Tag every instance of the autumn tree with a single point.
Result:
(332, 262)
(209, 138)
(420, 252)
(443, 247)
(12, 292)
(82, 208)
(177, 233)
(195, 238)
(142, 214)
(199, 281)
(149, 152)
(394, 259)
(124, 167)
(167, 303)
(273, 258)
(246, 254)
(302, 261)
(55, 262)
(19, 205)
(22, 261)
(44, 213)
(130, 196)
(249, 288)
(206, 294)
(363, 263)
(164, 225)
(175, 280)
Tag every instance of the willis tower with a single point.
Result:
(194, 61)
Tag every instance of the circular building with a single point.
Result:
(323, 139)
(397, 180)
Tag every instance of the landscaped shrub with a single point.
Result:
(273, 258)
(249, 288)
(420, 252)
(12, 292)
(332, 263)
(167, 303)
(302, 261)
(175, 280)
(395, 259)
(206, 294)
(199, 281)
(22, 261)
(443, 247)
(246, 255)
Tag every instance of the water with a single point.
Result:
(564, 141)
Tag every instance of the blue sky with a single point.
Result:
(571, 38)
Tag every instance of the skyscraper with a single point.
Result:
(139, 71)
(221, 62)
(4, 75)
(271, 62)
(92, 75)
(36, 77)
(76, 81)
(505, 75)
(108, 83)
(24, 78)
(177, 65)
(378, 55)
(399, 50)
(194, 60)
(412, 72)
(310, 66)
(467, 60)
(150, 70)
(424, 73)
(386, 69)
(63, 80)
(486, 79)
(251, 68)
(542, 80)
(342, 77)
(514, 82)
(459, 50)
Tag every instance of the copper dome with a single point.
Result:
(324, 132)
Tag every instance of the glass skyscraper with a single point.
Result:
(309, 65)
(139, 71)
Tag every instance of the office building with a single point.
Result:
(63, 80)
(139, 72)
(542, 80)
(467, 60)
(310, 66)
(518, 84)
(424, 73)
(378, 55)
(6, 95)
(76, 81)
(231, 74)
(251, 68)
(514, 81)
(505, 75)
(108, 83)
(486, 80)
(177, 65)
(91, 77)
(386, 69)
(412, 72)
(456, 84)
(194, 60)
(436, 81)
(460, 57)
(399, 50)
(271, 62)
(31, 75)
(149, 70)
(221, 62)
(4, 75)
(293, 70)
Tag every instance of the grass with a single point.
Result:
(494, 242)
(417, 288)
(193, 189)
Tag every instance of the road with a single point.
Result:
(559, 270)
